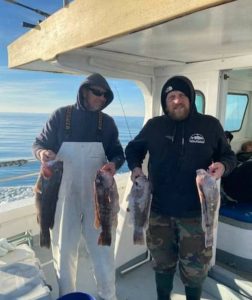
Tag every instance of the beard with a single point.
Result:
(179, 113)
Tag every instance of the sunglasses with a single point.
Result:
(98, 93)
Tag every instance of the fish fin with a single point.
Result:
(200, 190)
(104, 239)
(38, 187)
(97, 222)
(202, 195)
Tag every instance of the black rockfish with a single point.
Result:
(46, 197)
(139, 207)
(106, 206)
(210, 203)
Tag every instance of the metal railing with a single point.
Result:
(18, 163)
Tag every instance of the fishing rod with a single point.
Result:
(124, 114)
(38, 11)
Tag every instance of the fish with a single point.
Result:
(46, 196)
(139, 200)
(106, 206)
(209, 196)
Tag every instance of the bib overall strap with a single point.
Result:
(99, 127)
(68, 122)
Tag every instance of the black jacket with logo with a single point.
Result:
(176, 150)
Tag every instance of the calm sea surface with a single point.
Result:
(18, 131)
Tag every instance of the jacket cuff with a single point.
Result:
(227, 169)
(118, 161)
(135, 165)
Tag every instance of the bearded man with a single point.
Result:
(179, 142)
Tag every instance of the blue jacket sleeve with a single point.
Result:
(112, 146)
(137, 148)
(48, 138)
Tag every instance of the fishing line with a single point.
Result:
(124, 114)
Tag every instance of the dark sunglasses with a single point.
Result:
(98, 93)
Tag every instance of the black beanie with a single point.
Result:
(176, 84)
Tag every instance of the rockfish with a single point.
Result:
(106, 206)
(139, 208)
(46, 197)
(210, 203)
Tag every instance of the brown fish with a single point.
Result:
(210, 202)
(139, 207)
(106, 206)
(46, 197)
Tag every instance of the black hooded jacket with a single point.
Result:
(84, 125)
(176, 150)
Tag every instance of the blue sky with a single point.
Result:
(27, 91)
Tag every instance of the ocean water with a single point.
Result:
(17, 133)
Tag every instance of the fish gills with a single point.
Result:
(106, 206)
(46, 197)
(139, 208)
(210, 203)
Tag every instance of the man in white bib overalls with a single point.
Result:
(85, 139)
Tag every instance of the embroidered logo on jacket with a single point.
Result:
(197, 139)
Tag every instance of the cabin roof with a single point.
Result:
(141, 34)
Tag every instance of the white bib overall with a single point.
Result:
(75, 216)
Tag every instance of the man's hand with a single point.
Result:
(136, 172)
(109, 167)
(216, 169)
(46, 155)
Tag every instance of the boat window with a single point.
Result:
(200, 102)
(235, 111)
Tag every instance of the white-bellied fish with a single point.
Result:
(139, 207)
(210, 203)
(106, 206)
(46, 197)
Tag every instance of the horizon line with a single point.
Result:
(49, 113)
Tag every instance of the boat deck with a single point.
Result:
(133, 285)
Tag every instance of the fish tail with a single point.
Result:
(138, 237)
(45, 240)
(104, 239)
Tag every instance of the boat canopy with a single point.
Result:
(134, 36)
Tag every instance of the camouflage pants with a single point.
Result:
(172, 240)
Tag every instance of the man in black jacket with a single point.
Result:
(179, 142)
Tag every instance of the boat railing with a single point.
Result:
(17, 163)
(17, 206)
